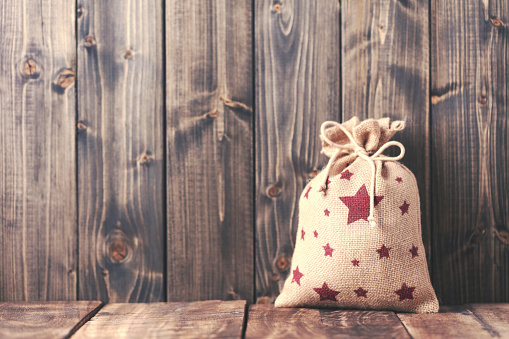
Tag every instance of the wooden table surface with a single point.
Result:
(233, 319)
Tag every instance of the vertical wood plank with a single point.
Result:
(209, 149)
(37, 168)
(470, 157)
(120, 150)
(297, 88)
(386, 74)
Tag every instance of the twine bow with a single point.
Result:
(355, 148)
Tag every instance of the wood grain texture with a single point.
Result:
(53, 319)
(493, 317)
(450, 322)
(206, 319)
(385, 63)
(209, 98)
(297, 51)
(120, 150)
(265, 321)
(470, 150)
(37, 171)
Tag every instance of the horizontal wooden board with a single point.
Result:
(450, 322)
(205, 319)
(493, 317)
(265, 321)
(52, 319)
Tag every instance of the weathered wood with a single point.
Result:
(265, 321)
(206, 319)
(493, 317)
(297, 88)
(52, 319)
(450, 322)
(120, 150)
(385, 63)
(209, 99)
(470, 158)
(37, 169)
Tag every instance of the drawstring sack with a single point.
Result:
(359, 239)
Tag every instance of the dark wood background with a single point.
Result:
(155, 151)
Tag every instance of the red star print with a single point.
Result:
(302, 234)
(328, 250)
(361, 292)
(405, 292)
(404, 208)
(346, 175)
(316, 234)
(326, 293)
(355, 262)
(328, 181)
(307, 193)
(297, 275)
(327, 212)
(383, 251)
(413, 250)
(399, 179)
(358, 205)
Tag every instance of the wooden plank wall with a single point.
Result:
(172, 169)
(38, 231)
(470, 187)
(297, 66)
(120, 150)
(209, 100)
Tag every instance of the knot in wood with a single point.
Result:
(89, 41)
(496, 22)
(145, 158)
(30, 69)
(118, 251)
(273, 191)
(277, 7)
(282, 263)
(65, 78)
(128, 55)
(81, 126)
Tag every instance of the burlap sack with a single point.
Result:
(359, 239)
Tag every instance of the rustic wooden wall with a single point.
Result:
(171, 168)
(38, 230)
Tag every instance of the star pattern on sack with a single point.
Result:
(358, 205)
(404, 207)
(328, 250)
(328, 181)
(399, 179)
(355, 262)
(413, 250)
(346, 175)
(297, 275)
(405, 292)
(361, 292)
(327, 212)
(315, 234)
(383, 251)
(302, 234)
(307, 193)
(326, 293)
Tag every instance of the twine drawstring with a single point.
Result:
(362, 153)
